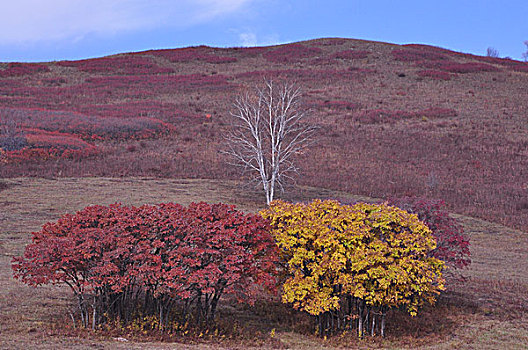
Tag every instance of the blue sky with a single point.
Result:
(45, 30)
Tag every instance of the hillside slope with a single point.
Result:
(395, 120)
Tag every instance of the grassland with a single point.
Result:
(488, 311)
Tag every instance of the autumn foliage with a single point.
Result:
(167, 260)
(349, 264)
(452, 246)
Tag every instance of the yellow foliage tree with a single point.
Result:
(346, 262)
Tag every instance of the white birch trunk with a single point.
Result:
(268, 130)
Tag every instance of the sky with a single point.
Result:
(49, 30)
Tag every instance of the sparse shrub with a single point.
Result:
(144, 108)
(452, 246)
(437, 112)
(416, 55)
(43, 145)
(122, 65)
(318, 74)
(192, 54)
(344, 263)
(470, 67)
(291, 53)
(89, 127)
(377, 116)
(331, 42)
(492, 52)
(351, 54)
(12, 137)
(333, 105)
(523, 68)
(152, 260)
(435, 74)
(15, 69)
(143, 85)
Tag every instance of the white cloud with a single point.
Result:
(249, 38)
(26, 21)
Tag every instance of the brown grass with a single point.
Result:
(488, 311)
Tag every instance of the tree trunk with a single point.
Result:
(360, 318)
(373, 325)
(383, 312)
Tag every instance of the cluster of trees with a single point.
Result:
(166, 260)
(345, 264)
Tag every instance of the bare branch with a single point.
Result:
(268, 129)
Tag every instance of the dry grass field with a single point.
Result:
(488, 311)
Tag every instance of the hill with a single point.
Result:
(395, 119)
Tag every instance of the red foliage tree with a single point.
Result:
(122, 261)
(452, 244)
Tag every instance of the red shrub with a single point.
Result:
(91, 127)
(106, 89)
(350, 54)
(417, 55)
(506, 62)
(452, 244)
(42, 154)
(132, 109)
(291, 53)
(151, 85)
(471, 67)
(376, 116)
(318, 74)
(15, 69)
(331, 42)
(122, 65)
(429, 48)
(53, 81)
(7, 84)
(192, 54)
(437, 112)
(521, 68)
(250, 51)
(435, 74)
(436, 59)
(332, 105)
(219, 59)
(37, 138)
(159, 255)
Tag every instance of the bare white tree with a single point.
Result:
(525, 54)
(268, 128)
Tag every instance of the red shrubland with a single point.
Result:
(122, 261)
